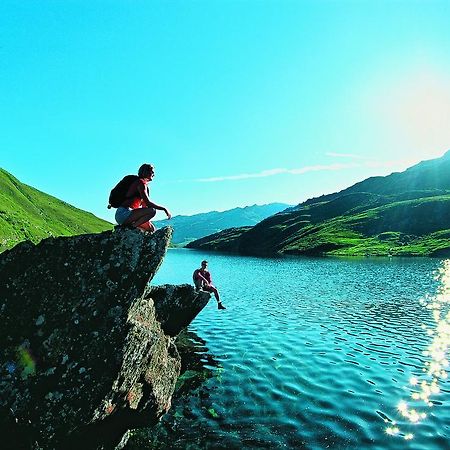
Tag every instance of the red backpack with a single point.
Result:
(119, 193)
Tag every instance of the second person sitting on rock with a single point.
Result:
(202, 280)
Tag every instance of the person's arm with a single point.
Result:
(144, 197)
(208, 277)
(199, 275)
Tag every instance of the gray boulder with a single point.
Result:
(87, 348)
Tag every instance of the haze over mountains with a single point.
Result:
(27, 213)
(406, 213)
(189, 228)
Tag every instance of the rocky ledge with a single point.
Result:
(86, 345)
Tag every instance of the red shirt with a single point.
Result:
(204, 273)
(134, 199)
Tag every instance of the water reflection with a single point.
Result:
(197, 366)
(312, 354)
(426, 385)
(197, 363)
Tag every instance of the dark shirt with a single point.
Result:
(198, 273)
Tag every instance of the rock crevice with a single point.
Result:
(87, 347)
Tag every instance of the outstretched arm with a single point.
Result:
(143, 193)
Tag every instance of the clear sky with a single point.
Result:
(234, 102)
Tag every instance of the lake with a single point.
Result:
(312, 353)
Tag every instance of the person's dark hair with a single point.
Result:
(145, 170)
(204, 262)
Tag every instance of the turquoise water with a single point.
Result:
(313, 353)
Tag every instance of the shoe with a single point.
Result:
(220, 306)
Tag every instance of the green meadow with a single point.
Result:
(29, 214)
(403, 214)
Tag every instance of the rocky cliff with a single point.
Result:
(87, 347)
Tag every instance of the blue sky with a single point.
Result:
(234, 102)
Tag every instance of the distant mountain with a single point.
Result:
(189, 228)
(26, 213)
(405, 213)
(425, 176)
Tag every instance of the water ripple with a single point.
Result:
(315, 353)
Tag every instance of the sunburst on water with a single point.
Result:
(435, 369)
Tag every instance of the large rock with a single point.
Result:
(175, 306)
(84, 356)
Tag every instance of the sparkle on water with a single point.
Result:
(436, 365)
(312, 353)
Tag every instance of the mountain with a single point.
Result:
(189, 228)
(425, 176)
(405, 213)
(26, 213)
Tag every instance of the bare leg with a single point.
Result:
(140, 216)
(216, 293)
(147, 226)
(214, 290)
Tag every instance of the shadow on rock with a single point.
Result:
(87, 349)
(190, 397)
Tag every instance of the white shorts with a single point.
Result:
(122, 214)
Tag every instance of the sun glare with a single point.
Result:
(424, 387)
(412, 106)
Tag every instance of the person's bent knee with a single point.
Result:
(151, 212)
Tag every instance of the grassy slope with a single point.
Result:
(26, 213)
(189, 228)
(404, 228)
(226, 240)
(412, 227)
(405, 213)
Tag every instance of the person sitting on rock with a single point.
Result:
(202, 280)
(137, 210)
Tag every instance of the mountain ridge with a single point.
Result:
(404, 213)
(362, 186)
(188, 228)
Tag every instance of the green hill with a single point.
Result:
(28, 214)
(405, 213)
(189, 228)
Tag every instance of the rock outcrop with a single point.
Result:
(87, 347)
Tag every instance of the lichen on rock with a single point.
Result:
(87, 348)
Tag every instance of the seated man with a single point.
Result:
(202, 280)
